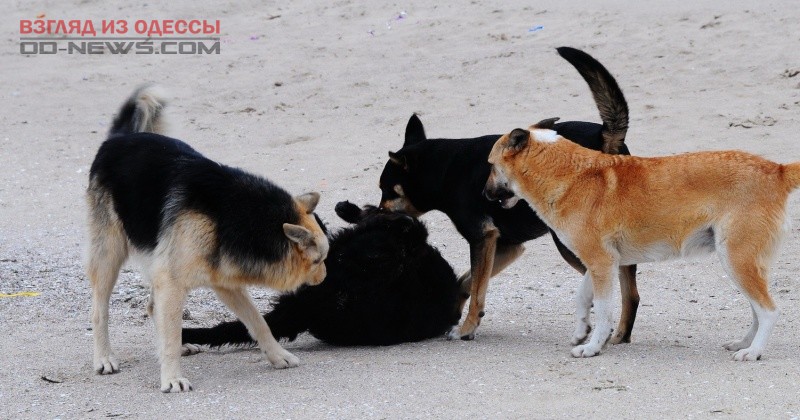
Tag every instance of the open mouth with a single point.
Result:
(508, 202)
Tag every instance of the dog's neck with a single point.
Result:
(544, 172)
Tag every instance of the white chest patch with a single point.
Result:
(543, 135)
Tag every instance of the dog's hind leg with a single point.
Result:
(108, 250)
(240, 303)
(630, 304)
(745, 342)
(481, 262)
(504, 255)
(169, 297)
(746, 252)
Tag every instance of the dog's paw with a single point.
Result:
(736, 345)
(618, 339)
(282, 359)
(747, 355)
(585, 350)
(176, 385)
(581, 332)
(106, 365)
(459, 332)
(190, 349)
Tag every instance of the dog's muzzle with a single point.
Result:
(502, 194)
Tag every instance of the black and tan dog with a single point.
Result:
(449, 175)
(192, 223)
(385, 285)
(612, 210)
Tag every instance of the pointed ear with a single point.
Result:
(321, 224)
(415, 132)
(518, 139)
(399, 160)
(546, 124)
(298, 235)
(309, 201)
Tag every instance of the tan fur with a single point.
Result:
(108, 251)
(184, 260)
(400, 203)
(613, 209)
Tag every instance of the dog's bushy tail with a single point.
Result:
(143, 111)
(225, 333)
(286, 321)
(791, 173)
(607, 95)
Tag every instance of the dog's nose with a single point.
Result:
(497, 193)
(488, 194)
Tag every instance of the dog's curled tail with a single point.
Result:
(142, 112)
(607, 95)
(791, 174)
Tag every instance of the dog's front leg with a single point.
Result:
(481, 264)
(240, 303)
(601, 275)
(629, 296)
(504, 255)
(583, 307)
(168, 300)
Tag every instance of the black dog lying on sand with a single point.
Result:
(385, 285)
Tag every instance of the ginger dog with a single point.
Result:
(613, 210)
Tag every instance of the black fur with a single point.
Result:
(607, 95)
(385, 285)
(151, 178)
(449, 174)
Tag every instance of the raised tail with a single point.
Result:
(286, 321)
(791, 173)
(607, 95)
(143, 111)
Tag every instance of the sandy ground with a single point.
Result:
(313, 96)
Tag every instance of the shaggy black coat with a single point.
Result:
(385, 285)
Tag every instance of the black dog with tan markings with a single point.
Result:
(449, 175)
(192, 223)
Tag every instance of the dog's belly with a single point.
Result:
(698, 243)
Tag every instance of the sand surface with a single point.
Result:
(313, 95)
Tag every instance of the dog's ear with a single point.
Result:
(321, 224)
(299, 235)
(518, 139)
(548, 123)
(399, 160)
(309, 201)
(348, 212)
(415, 132)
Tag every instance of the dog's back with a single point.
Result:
(153, 179)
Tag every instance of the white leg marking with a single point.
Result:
(602, 330)
(604, 315)
(748, 338)
(766, 320)
(583, 303)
